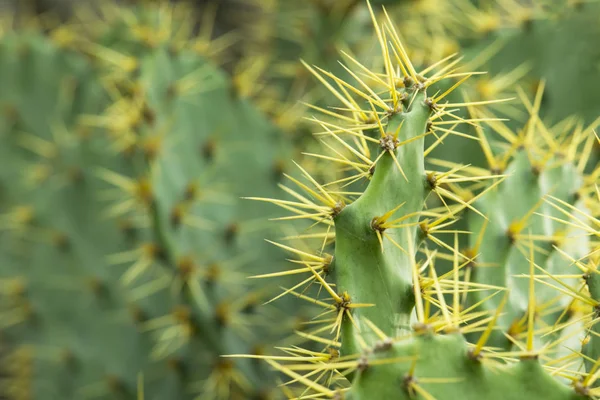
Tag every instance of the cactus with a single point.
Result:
(312, 31)
(542, 164)
(123, 243)
(122, 250)
(502, 38)
(48, 209)
(510, 43)
(393, 325)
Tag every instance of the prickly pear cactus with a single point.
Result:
(511, 43)
(124, 245)
(392, 325)
(542, 164)
(61, 298)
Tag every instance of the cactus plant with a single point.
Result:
(122, 244)
(392, 325)
(509, 42)
(121, 251)
(542, 164)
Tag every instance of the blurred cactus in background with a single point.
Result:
(125, 243)
(448, 234)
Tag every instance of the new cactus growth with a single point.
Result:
(394, 326)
